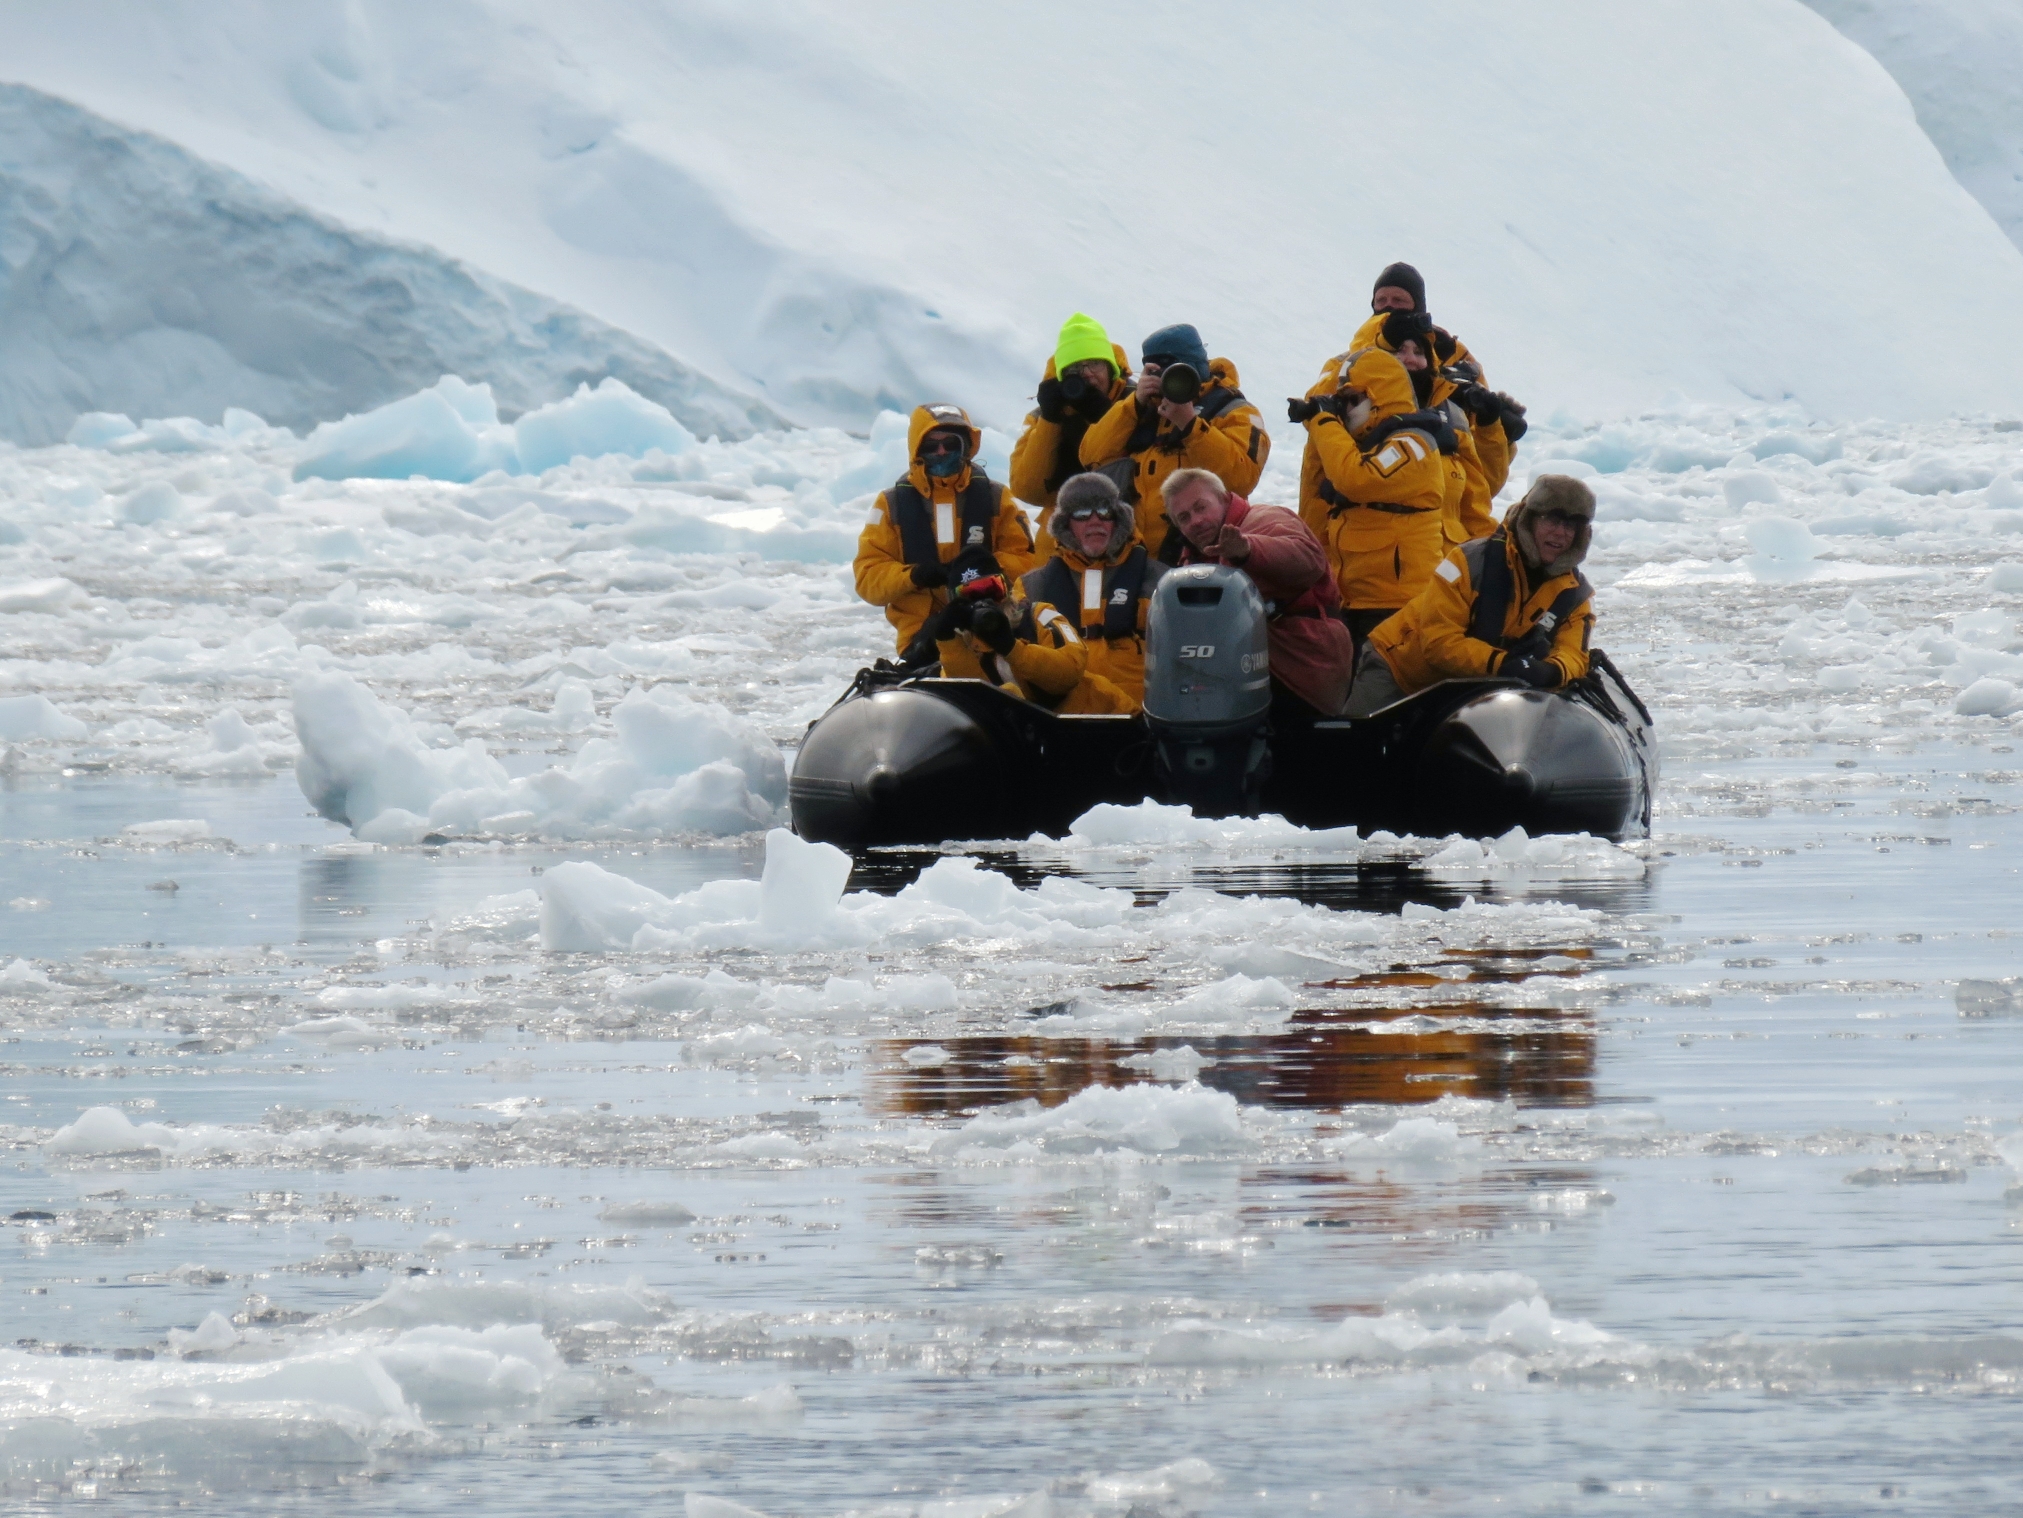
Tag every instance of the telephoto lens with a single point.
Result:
(1074, 389)
(1180, 382)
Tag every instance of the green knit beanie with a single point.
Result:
(1082, 337)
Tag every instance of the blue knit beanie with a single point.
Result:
(1179, 344)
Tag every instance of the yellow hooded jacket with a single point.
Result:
(1378, 512)
(1042, 458)
(1232, 445)
(1429, 640)
(885, 576)
(1492, 448)
(1087, 591)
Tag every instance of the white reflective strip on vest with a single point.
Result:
(1092, 590)
(1051, 618)
(944, 523)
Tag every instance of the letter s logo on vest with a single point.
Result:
(1120, 596)
(975, 537)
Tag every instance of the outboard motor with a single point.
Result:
(1208, 688)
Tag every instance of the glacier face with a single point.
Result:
(136, 277)
(1731, 202)
(1961, 64)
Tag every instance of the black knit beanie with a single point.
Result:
(1405, 278)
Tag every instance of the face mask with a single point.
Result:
(942, 465)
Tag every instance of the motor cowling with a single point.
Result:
(1208, 688)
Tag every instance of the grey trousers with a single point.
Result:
(1374, 687)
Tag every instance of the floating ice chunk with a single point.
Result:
(585, 907)
(158, 501)
(1181, 1064)
(1986, 697)
(447, 1371)
(450, 431)
(20, 975)
(802, 885)
(425, 1301)
(613, 418)
(166, 832)
(1109, 825)
(646, 1214)
(1170, 1120)
(776, 1404)
(926, 1056)
(40, 595)
(1412, 1139)
(1783, 548)
(684, 993)
(1238, 998)
(234, 749)
(1462, 1292)
(95, 429)
(753, 1039)
(1752, 487)
(212, 1336)
(702, 1505)
(107, 1130)
(339, 1032)
(2006, 576)
(360, 758)
(1179, 1479)
(1531, 1327)
(36, 717)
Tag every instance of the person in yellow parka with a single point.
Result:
(940, 523)
(1466, 514)
(1373, 482)
(1101, 578)
(1086, 376)
(1498, 421)
(1149, 433)
(1513, 604)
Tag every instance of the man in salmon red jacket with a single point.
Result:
(1310, 648)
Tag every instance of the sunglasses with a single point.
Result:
(939, 447)
(1562, 519)
(1084, 513)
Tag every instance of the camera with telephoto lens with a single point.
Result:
(1181, 383)
(1075, 389)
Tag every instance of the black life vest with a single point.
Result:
(976, 513)
(1489, 571)
(1124, 586)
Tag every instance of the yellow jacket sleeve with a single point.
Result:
(1492, 446)
(883, 575)
(1032, 460)
(1233, 447)
(1570, 643)
(1111, 437)
(1475, 520)
(1405, 471)
(1054, 660)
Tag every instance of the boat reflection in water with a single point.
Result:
(1322, 1060)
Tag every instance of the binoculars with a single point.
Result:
(1181, 383)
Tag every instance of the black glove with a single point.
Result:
(971, 564)
(1053, 404)
(1444, 345)
(993, 628)
(1539, 674)
(1298, 410)
(1514, 424)
(929, 576)
(1482, 406)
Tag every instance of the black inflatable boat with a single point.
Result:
(905, 759)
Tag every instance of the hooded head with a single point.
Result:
(1558, 495)
(1379, 375)
(1079, 493)
(1178, 344)
(1401, 276)
(927, 419)
(1082, 338)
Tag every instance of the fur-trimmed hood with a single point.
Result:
(1097, 486)
(1553, 492)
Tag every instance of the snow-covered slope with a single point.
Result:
(842, 207)
(1961, 63)
(137, 278)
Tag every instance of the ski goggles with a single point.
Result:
(1084, 513)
